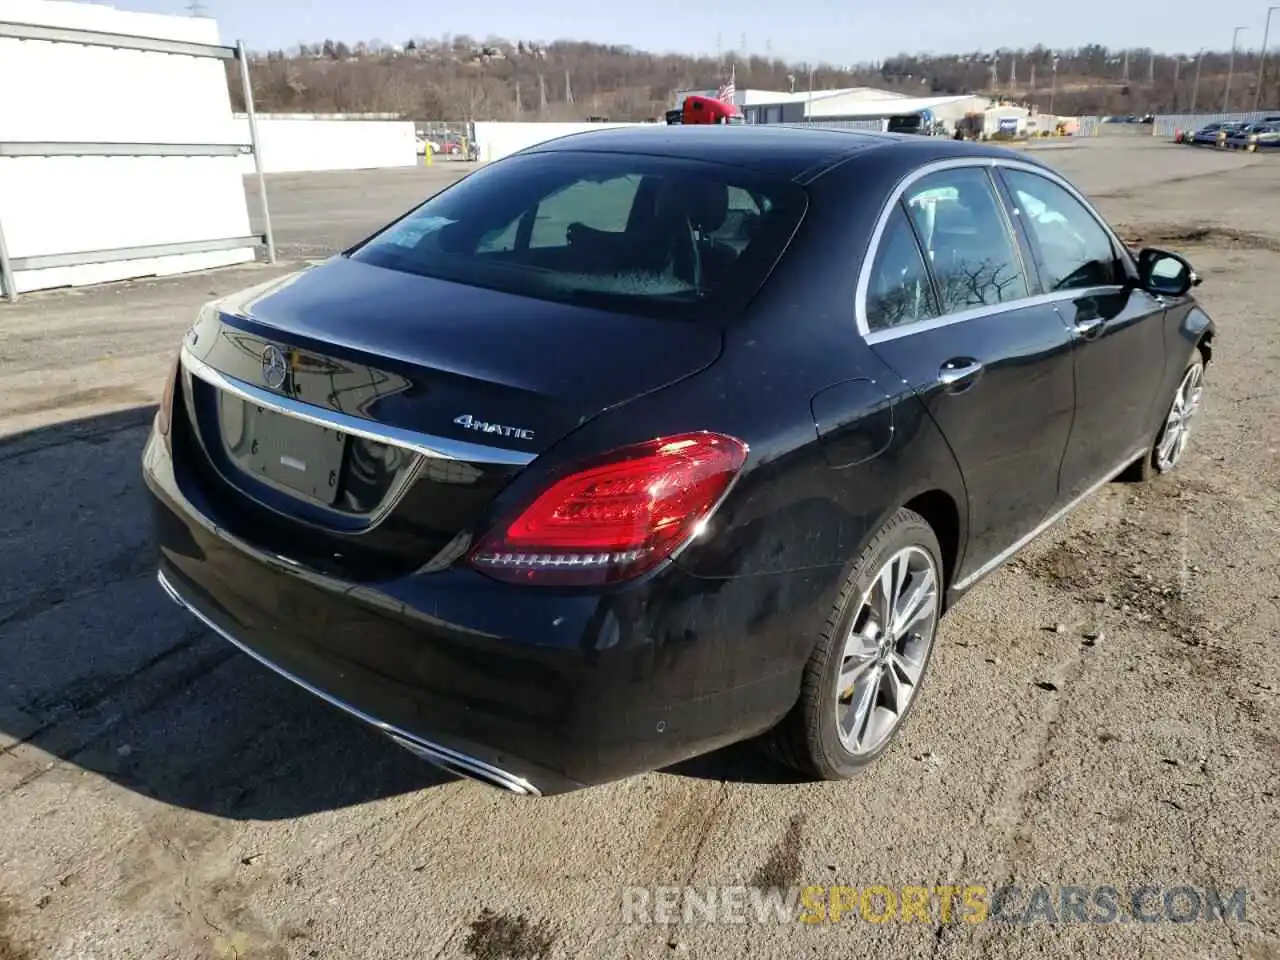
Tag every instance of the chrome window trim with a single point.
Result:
(960, 316)
(955, 163)
(440, 448)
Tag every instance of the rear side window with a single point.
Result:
(1073, 249)
(971, 251)
(643, 234)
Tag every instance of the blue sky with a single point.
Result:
(798, 30)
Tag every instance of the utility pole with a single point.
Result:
(1033, 76)
(1125, 68)
(568, 89)
(1053, 91)
(1013, 71)
(1195, 87)
(1231, 67)
(1262, 61)
(1151, 68)
(542, 95)
(519, 103)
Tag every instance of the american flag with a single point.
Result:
(727, 89)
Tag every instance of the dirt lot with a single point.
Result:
(1103, 711)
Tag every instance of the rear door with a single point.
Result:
(990, 360)
(1117, 327)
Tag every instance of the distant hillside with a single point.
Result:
(460, 78)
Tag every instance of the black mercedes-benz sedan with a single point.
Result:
(645, 441)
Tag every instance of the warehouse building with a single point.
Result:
(776, 106)
(861, 105)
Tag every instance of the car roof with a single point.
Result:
(797, 153)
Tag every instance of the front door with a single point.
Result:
(991, 362)
(1118, 329)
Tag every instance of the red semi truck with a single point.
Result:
(704, 110)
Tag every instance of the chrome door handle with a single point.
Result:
(1087, 328)
(956, 372)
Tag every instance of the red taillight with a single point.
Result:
(164, 414)
(615, 519)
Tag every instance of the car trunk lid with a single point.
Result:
(361, 418)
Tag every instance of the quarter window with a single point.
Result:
(1072, 248)
(966, 239)
(900, 291)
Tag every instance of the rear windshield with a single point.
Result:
(642, 234)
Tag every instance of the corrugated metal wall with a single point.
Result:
(1089, 126)
(873, 124)
(1167, 124)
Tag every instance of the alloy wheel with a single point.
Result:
(887, 649)
(1177, 425)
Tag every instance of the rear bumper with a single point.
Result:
(438, 754)
(534, 691)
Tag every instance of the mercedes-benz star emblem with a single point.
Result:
(274, 368)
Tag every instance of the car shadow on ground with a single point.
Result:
(102, 671)
(740, 763)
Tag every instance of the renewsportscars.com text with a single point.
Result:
(959, 903)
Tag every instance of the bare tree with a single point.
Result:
(456, 78)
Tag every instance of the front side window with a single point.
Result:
(1073, 249)
(641, 234)
(899, 291)
(971, 252)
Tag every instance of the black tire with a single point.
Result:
(807, 739)
(1145, 469)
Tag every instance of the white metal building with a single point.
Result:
(767, 106)
(849, 103)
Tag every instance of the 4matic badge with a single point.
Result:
(469, 422)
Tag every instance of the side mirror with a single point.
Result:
(1164, 273)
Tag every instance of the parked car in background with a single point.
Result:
(1208, 134)
(1225, 132)
(701, 435)
(1254, 136)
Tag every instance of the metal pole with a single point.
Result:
(243, 56)
(1195, 87)
(1053, 91)
(1262, 60)
(7, 285)
(1231, 67)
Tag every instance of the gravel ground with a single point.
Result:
(1101, 712)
